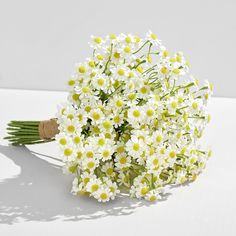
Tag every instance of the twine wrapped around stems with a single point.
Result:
(48, 128)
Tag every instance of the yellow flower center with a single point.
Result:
(82, 69)
(178, 58)
(96, 130)
(143, 90)
(155, 162)
(136, 113)
(127, 49)
(136, 147)
(89, 154)
(180, 99)
(117, 55)
(152, 198)
(164, 70)
(153, 36)
(101, 141)
(132, 96)
(106, 124)
(123, 160)
(75, 97)
(128, 39)
(108, 135)
(63, 141)
(158, 138)
(112, 36)
(90, 165)
(149, 112)
(119, 103)
(91, 64)
(67, 152)
(100, 81)
(72, 169)
(117, 119)
(106, 153)
(103, 196)
(165, 53)
(77, 139)
(144, 190)
(100, 57)
(162, 151)
(87, 108)
(121, 72)
(98, 40)
(109, 171)
(120, 149)
(79, 155)
(80, 117)
(137, 39)
(195, 106)
(174, 104)
(71, 82)
(85, 89)
(176, 71)
(86, 180)
(71, 128)
(70, 116)
(172, 154)
(94, 188)
(96, 116)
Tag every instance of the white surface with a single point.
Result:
(42, 40)
(35, 198)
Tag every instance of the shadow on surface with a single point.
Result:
(41, 192)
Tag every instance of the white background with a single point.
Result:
(40, 41)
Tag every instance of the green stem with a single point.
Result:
(141, 47)
(24, 133)
(109, 59)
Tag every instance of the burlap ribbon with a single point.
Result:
(48, 129)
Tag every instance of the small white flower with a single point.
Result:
(153, 38)
(153, 195)
(122, 161)
(108, 169)
(90, 164)
(93, 185)
(103, 194)
(142, 190)
(135, 147)
(123, 179)
(158, 137)
(96, 42)
(112, 187)
(97, 116)
(106, 152)
(154, 164)
(63, 139)
(172, 105)
(135, 115)
(120, 73)
(101, 82)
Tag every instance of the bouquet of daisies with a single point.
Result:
(132, 120)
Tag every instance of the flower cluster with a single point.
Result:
(132, 120)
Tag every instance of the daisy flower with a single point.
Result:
(103, 194)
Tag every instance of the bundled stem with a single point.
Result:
(28, 132)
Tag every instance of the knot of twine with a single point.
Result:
(48, 129)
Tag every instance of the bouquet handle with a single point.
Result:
(32, 132)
